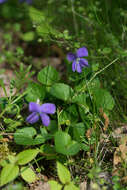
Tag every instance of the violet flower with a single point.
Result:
(77, 61)
(27, 1)
(2, 1)
(40, 111)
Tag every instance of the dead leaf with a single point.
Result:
(104, 138)
(104, 115)
(124, 180)
(120, 154)
(4, 140)
(119, 133)
(117, 157)
(89, 133)
(83, 185)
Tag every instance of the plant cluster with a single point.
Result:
(76, 107)
(69, 116)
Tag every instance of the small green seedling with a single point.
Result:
(12, 169)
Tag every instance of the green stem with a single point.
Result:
(74, 17)
(97, 73)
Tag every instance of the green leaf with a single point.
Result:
(47, 149)
(85, 147)
(42, 23)
(3, 86)
(64, 118)
(27, 136)
(106, 50)
(3, 103)
(28, 174)
(12, 124)
(45, 135)
(78, 131)
(54, 185)
(103, 99)
(83, 110)
(8, 173)
(37, 16)
(26, 156)
(61, 91)
(45, 29)
(79, 99)
(3, 163)
(53, 127)
(68, 116)
(14, 186)
(12, 159)
(39, 21)
(63, 173)
(48, 76)
(71, 186)
(35, 91)
(28, 36)
(95, 84)
(65, 145)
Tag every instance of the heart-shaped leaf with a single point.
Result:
(103, 99)
(78, 131)
(65, 145)
(35, 91)
(48, 76)
(28, 136)
(61, 91)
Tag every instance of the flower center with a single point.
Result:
(38, 101)
(77, 60)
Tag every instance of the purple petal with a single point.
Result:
(29, 1)
(83, 62)
(34, 107)
(45, 119)
(81, 52)
(2, 1)
(74, 66)
(71, 56)
(78, 68)
(48, 108)
(32, 118)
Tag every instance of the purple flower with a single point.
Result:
(78, 61)
(2, 1)
(42, 111)
(27, 1)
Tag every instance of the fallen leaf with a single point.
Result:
(106, 124)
